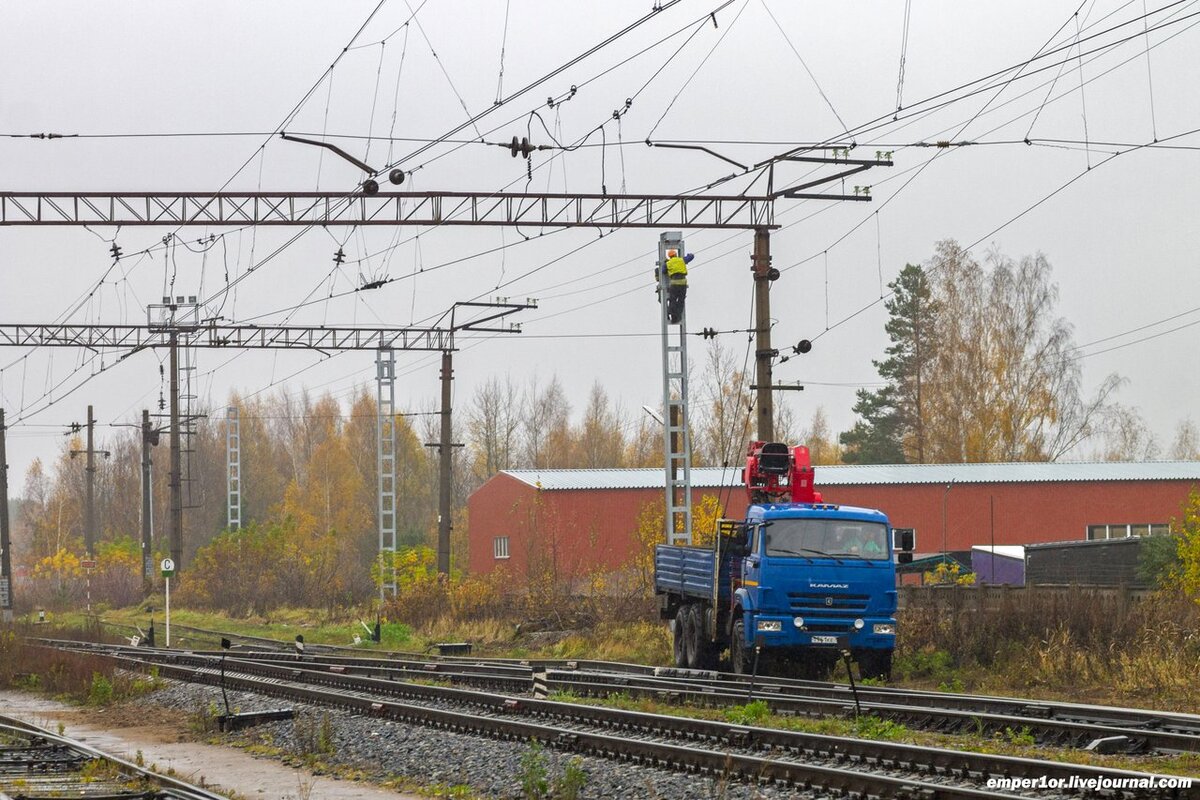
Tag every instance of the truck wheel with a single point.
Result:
(876, 664)
(680, 637)
(738, 655)
(697, 643)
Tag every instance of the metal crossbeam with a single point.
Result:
(217, 335)
(605, 211)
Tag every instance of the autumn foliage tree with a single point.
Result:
(980, 367)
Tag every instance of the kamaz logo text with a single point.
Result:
(829, 586)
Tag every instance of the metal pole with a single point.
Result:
(760, 265)
(167, 581)
(945, 494)
(677, 519)
(992, 515)
(445, 454)
(176, 526)
(147, 512)
(6, 585)
(89, 518)
(233, 467)
(385, 467)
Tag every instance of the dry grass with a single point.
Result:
(80, 677)
(1079, 644)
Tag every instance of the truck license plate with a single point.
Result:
(824, 640)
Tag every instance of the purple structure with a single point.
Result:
(1002, 564)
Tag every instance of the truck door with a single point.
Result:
(751, 564)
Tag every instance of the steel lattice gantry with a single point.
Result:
(605, 211)
(233, 466)
(677, 438)
(215, 335)
(385, 467)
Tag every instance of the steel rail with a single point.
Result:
(849, 779)
(72, 754)
(935, 761)
(718, 686)
(1049, 723)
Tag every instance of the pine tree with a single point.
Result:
(891, 428)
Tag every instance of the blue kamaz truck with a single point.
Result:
(793, 585)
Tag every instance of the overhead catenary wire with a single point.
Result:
(1057, 190)
(503, 43)
(892, 197)
(903, 56)
(804, 64)
(700, 66)
(1082, 94)
(472, 120)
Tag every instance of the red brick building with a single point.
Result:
(576, 520)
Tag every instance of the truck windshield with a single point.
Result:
(826, 538)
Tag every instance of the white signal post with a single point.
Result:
(88, 565)
(168, 569)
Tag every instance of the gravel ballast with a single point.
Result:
(429, 757)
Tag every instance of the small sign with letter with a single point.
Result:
(168, 567)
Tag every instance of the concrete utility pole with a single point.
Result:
(149, 439)
(445, 464)
(6, 583)
(760, 265)
(175, 479)
(488, 311)
(89, 524)
(89, 507)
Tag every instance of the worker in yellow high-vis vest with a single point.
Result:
(676, 284)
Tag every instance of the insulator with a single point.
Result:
(773, 274)
(370, 186)
(396, 176)
(803, 346)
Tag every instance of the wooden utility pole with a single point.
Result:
(760, 265)
(6, 583)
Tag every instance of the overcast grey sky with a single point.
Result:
(1123, 238)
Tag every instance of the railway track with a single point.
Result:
(1052, 723)
(35, 763)
(835, 765)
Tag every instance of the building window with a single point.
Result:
(500, 547)
(1101, 532)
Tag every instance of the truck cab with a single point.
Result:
(816, 579)
(796, 583)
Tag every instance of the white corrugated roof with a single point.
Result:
(867, 475)
(1006, 550)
